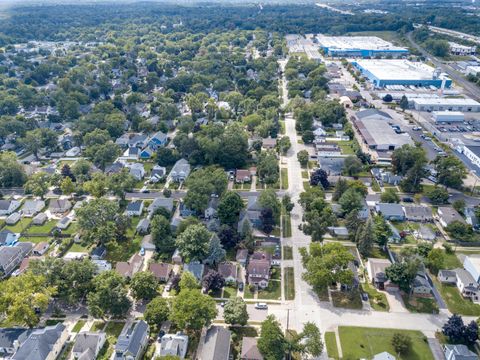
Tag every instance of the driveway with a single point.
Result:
(396, 302)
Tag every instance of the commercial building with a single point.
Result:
(459, 49)
(446, 104)
(358, 46)
(472, 153)
(448, 116)
(378, 135)
(401, 72)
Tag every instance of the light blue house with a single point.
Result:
(157, 140)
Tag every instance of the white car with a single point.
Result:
(261, 306)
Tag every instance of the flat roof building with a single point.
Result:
(358, 46)
(401, 72)
(459, 49)
(446, 104)
(379, 135)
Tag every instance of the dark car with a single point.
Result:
(407, 199)
(364, 296)
(240, 286)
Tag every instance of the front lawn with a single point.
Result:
(97, 326)
(78, 326)
(378, 301)
(365, 343)
(455, 301)
(420, 305)
(229, 292)
(284, 177)
(114, 328)
(286, 226)
(331, 345)
(289, 283)
(451, 261)
(272, 292)
(347, 299)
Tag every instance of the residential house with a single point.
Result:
(10, 340)
(467, 285)
(242, 176)
(8, 206)
(114, 168)
(250, 349)
(157, 141)
(158, 173)
(421, 286)
(12, 256)
(258, 269)
(134, 208)
(340, 232)
(88, 345)
(229, 271)
(43, 344)
(333, 166)
(64, 223)
(426, 233)
(147, 243)
(390, 211)
(250, 215)
(471, 263)
(184, 211)
(242, 256)
(131, 153)
(98, 253)
(418, 213)
(174, 345)
(75, 256)
(214, 344)
(8, 238)
(177, 257)
(447, 276)
(40, 249)
(269, 143)
(146, 153)
(136, 170)
(59, 206)
(471, 218)
(132, 140)
(180, 171)
(386, 177)
(211, 210)
(32, 207)
(13, 218)
(143, 226)
(39, 219)
(160, 202)
(384, 356)
(102, 265)
(132, 342)
(376, 271)
(162, 271)
(447, 215)
(458, 352)
(196, 268)
(129, 268)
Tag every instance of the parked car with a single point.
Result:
(240, 286)
(261, 306)
(142, 252)
(364, 296)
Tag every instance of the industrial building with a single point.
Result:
(378, 135)
(472, 153)
(358, 46)
(463, 50)
(401, 72)
(448, 116)
(446, 104)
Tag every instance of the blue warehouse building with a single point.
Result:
(359, 47)
(382, 73)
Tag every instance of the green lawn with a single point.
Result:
(114, 328)
(229, 292)
(247, 294)
(123, 251)
(35, 239)
(97, 326)
(46, 228)
(420, 305)
(346, 147)
(305, 174)
(284, 176)
(347, 299)
(455, 301)
(287, 253)
(78, 248)
(286, 226)
(452, 261)
(360, 342)
(378, 253)
(289, 283)
(331, 345)
(78, 326)
(272, 292)
(378, 301)
(20, 227)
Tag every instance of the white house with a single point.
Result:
(88, 345)
(8, 206)
(467, 285)
(174, 344)
(135, 208)
(471, 263)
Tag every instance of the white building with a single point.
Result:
(472, 153)
(174, 344)
(471, 263)
(446, 104)
(448, 116)
(463, 50)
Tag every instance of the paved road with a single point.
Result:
(471, 89)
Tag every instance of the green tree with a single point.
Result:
(235, 312)
(202, 184)
(268, 200)
(459, 230)
(402, 343)
(409, 161)
(144, 285)
(216, 252)
(109, 295)
(193, 243)
(229, 208)
(352, 166)
(188, 281)
(435, 260)
(21, 295)
(283, 144)
(267, 167)
(11, 172)
(271, 343)
(302, 157)
(403, 103)
(350, 201)
(403, 273)
(161, 233)
(67, 186)
(382, 231)
(96, 220)
(156, 312)
(192, 310)
(438, 195)
(389, 196)
(121, 182)
(450, 171)
(366, 238)
(97, 185)
(37, 184)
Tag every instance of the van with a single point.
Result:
(261, 306)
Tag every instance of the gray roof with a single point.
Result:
(215, 345)
(447, 273)
(4, 204)
(39, 344)
(465, 277)
(459, 352)
(181, 167)
(8, 337)
(86, 343)
(390, 209)
(131, 339)
(418, 212)
(449, 214)
(134, 205)
(195, 268)
(250, 349)
(159, 202)
(372, 113)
